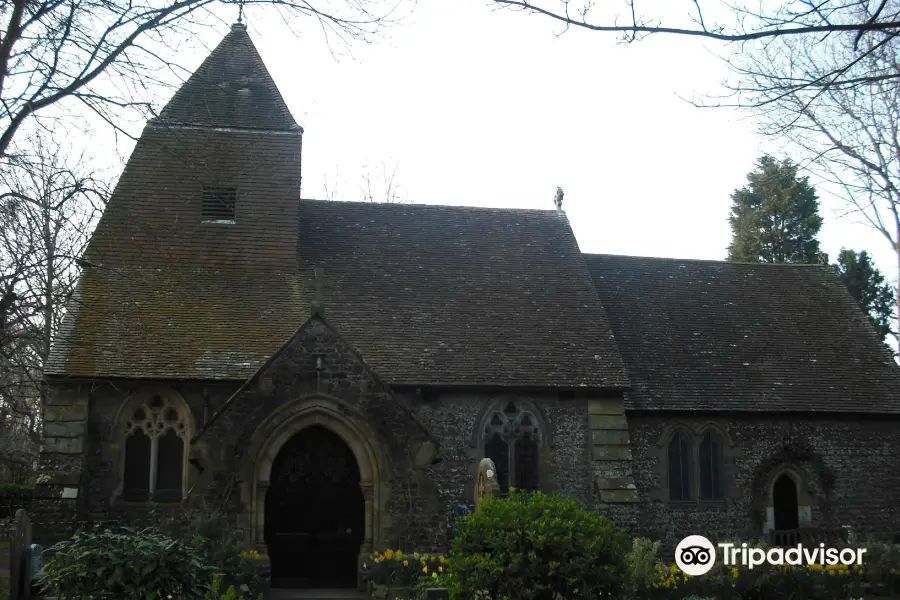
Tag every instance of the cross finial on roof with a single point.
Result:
(317, 306)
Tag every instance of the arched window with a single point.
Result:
(513, 439)
(712, 466)
(680, 459)
(156, 438)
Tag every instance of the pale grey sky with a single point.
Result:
(481, 107)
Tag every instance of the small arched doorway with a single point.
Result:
(314, 512)
(785, 504)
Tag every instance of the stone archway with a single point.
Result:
(344, 422)
(788, 503)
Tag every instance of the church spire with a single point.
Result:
(232, 88)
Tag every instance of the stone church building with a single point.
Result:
(331, 373)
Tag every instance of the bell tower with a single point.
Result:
(215, 178)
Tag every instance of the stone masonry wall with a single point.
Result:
(84, 468)
(58, 501)
(616, 493)
(81, 455)
(454, 418)
(849, 465)
(425, 500)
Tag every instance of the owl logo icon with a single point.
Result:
(695, 555)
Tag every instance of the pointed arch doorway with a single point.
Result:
(315, 512)
(785, 503)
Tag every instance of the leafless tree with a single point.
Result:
(383, 188)
(48, 208)
(110, 55)
(332, 188)
(378, 187)
(836, 100)
(724, 20)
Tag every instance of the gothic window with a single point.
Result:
(513, 439)
(679, 457)
(156, 438)
(711, 465)
(695, 465)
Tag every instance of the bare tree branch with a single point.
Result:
(786, 21)
(104, 53)
(377, 187)
(837, 103)
(48, 208)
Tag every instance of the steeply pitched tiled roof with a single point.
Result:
(744, 337)
(232, 88)
(428, 294)
(177, 322)
(458, 295)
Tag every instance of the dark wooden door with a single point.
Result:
(784, 499)
(314, 512)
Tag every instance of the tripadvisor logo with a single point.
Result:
(696, 555)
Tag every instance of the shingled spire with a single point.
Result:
(232, 88)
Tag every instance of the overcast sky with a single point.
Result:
(480, 107)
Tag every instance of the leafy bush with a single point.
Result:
(642, 567)
(104, 563)
(222, 546)
(881, 565)
(442, 579)
(537, 546)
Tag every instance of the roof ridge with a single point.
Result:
(702, 260)
(437, 206)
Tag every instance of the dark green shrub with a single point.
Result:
(881, 567)
(765, 582)
(222, 546)
(535, 547)
(105, 563)
(13, 497)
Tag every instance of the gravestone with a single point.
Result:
(486, 486)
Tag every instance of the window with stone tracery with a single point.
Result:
(695, 465)
(512, 439)
(156, 437)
